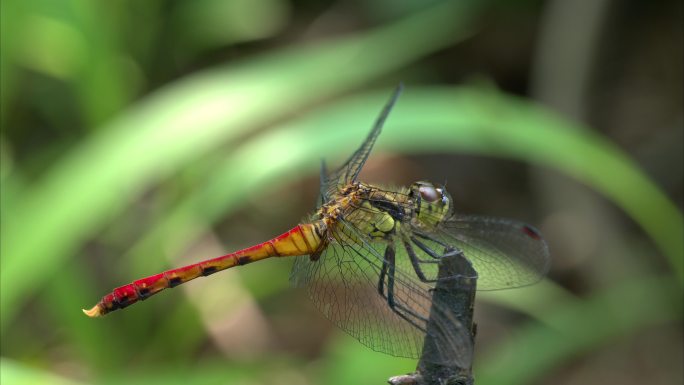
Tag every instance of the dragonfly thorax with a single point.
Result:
(379, 212)
(374, 211)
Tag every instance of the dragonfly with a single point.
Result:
(368, 257)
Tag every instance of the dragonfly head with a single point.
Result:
(433, 203)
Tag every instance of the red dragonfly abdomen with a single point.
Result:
(301, 240)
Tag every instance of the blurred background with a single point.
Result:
(139, 136)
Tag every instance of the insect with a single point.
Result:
(368, 257)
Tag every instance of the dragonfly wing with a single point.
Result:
(351, 168)
(344, 283)
(505, 253)
(323, 193)
(417, 272)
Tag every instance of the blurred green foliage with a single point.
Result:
(135, 163)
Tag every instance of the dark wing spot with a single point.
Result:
(531, 232)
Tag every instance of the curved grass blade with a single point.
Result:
(579, 326)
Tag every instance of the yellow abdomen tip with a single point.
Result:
(96, 311)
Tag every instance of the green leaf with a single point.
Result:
(439, 119)
(580, 326)
(13, 372)
(457, 120)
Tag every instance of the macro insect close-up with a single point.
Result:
(369, 258)
(443, 192)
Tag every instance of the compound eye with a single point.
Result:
(429, 193)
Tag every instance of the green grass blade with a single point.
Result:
(13, 372)
(458, 120)
(467, 119)
(580, 326)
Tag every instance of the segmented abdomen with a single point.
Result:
(301, 240)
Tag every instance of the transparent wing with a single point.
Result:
(505, 253)
(343, 284)
(351, 168)
(451, 341)
(322, 194)
(351, 283)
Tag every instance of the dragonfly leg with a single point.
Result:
(399, 309)
(435, 240)
(415, 262)
(425, 248)
(383, 273)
